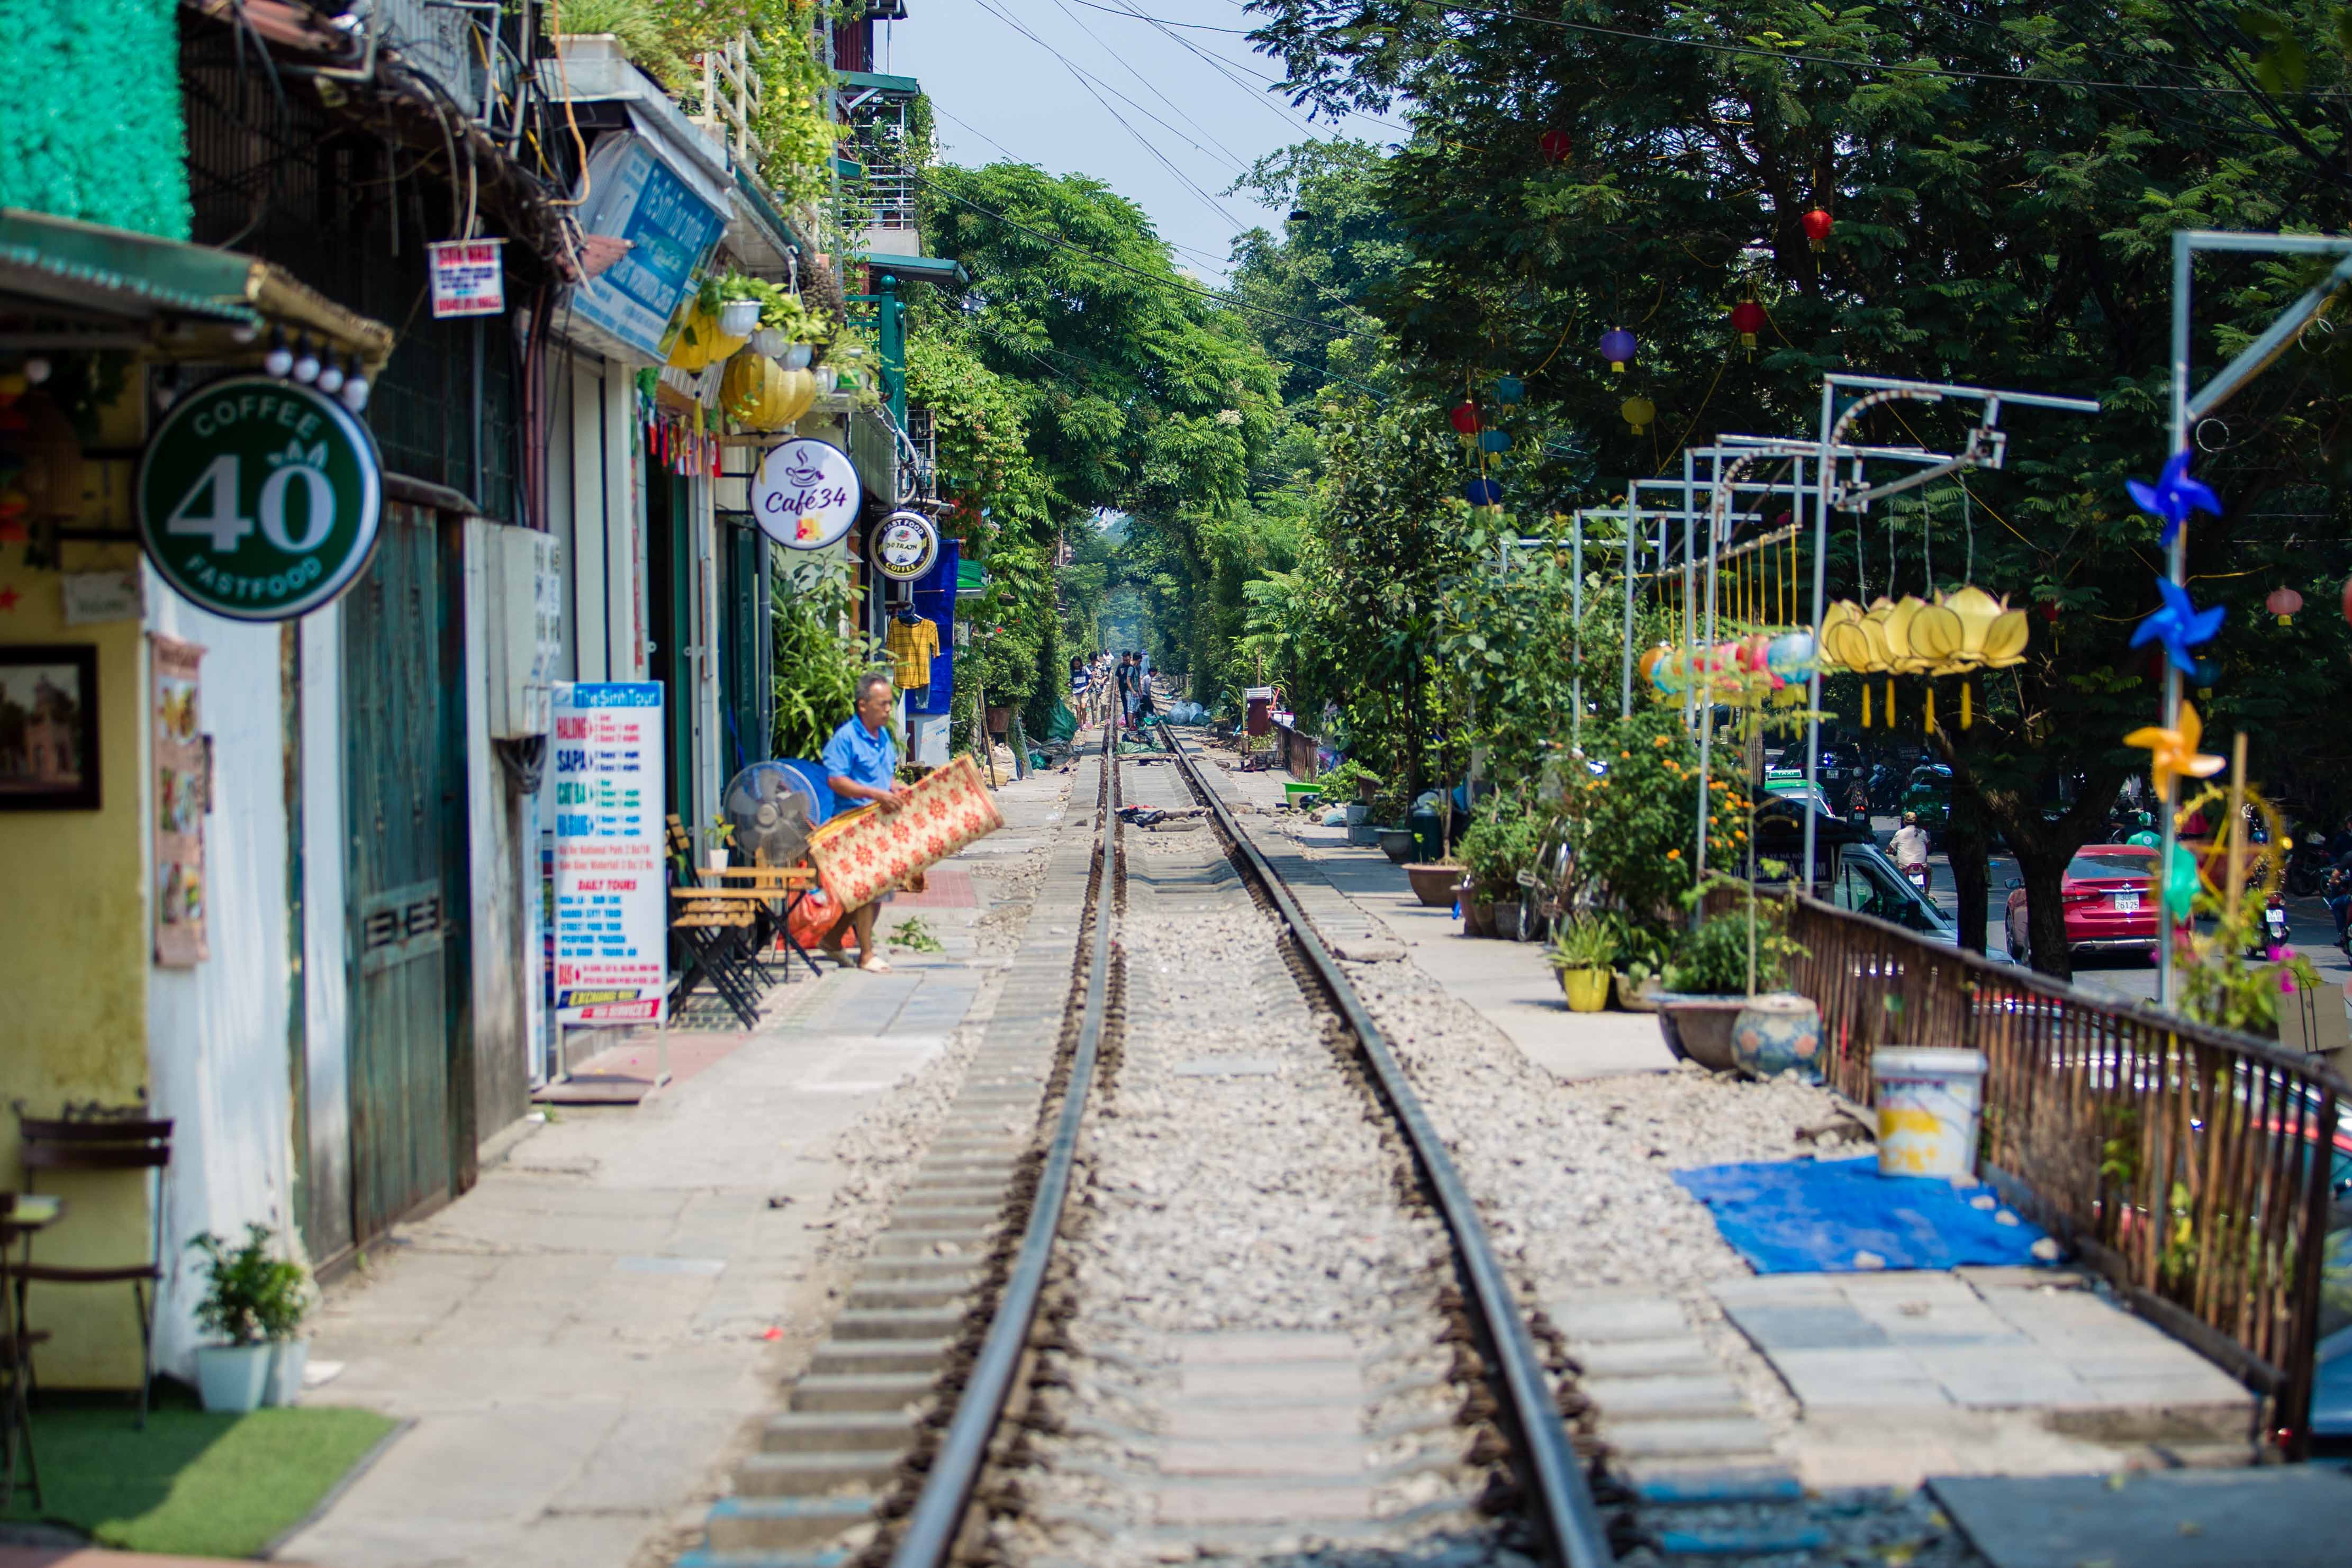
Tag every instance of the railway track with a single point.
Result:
(1191, 1277)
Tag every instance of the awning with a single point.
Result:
(970, 577)
(919, 269)
(63, 283)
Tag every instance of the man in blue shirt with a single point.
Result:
(861, 763)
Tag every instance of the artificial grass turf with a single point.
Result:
(191, 1484)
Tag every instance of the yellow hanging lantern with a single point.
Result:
(758, 393)
(700, 344)
(1638, 412)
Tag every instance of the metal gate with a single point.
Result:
(400, 789)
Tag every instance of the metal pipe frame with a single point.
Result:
(2187, 409)
(1831, 449)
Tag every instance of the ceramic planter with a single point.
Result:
(1434, 883)
(1477, 916)
(234, 1378)
(1699, 1027)
(738, 318)
(1586, 989)
(1638, 999)
(1776, 1033)
(287, 1358)
(1396, 843)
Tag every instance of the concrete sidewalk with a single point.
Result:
(584, 1341)
(1508, 983)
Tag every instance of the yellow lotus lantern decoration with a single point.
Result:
(700, 344)
(758, 393)
(1962, 632)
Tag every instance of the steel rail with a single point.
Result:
(1565, 1508)
(939, 1512)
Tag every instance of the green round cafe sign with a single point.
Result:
(258, 498)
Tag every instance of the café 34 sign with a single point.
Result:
(259, 499)
(806, 495)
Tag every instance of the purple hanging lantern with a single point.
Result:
(1617, 346)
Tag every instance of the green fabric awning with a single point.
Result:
(970, 577)
(60, 262)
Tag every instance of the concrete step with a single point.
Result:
(859, 1323)
(915, 1267)
(844, 1357)
(942, 1217)
(774, 1523)
(703, 1557)
(866, 1470)
(815, 1432)
(967, 1243)
(1683, 1395)
(861, 1391)
(945, 1295)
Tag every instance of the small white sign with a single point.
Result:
(807, 494)
(92, 597)
(468, 278)
(904, 547)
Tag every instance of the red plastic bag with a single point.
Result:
(814, 919)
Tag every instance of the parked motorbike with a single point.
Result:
(2306, 865)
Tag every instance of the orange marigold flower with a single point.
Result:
(1674, 855)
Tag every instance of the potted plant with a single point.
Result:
(720, 851)
(254, 1304)
(1351, 784)
(1580, 954)
(1723, 1007)
(1503, 838)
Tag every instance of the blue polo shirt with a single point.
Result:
(862, 758)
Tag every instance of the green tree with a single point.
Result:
(1999, 221)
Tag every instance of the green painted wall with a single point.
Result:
(91, 125)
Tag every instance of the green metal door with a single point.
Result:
(398, 784)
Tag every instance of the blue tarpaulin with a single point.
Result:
(1812, 1216)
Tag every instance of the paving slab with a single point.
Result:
(2276, 1516)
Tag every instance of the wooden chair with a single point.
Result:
(712, 924)
(92, 1144)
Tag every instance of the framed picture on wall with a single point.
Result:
(48, 728)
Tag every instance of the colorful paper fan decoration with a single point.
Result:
(2180, 626)
(2172, 753)
(2174, 495)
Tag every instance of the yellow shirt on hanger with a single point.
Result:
(912, 645)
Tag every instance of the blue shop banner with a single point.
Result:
(670, 230)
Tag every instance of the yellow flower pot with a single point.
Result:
(1586, 989)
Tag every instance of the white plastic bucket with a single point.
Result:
(1928, 1099)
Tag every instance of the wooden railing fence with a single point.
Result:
(2190, 1166)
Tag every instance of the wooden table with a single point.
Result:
(22, 1217)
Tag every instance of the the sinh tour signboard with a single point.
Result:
(259, 499)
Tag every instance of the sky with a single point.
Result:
(1194, 95)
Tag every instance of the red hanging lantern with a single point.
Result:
(1818, 224)
(2050, 610)
(1466, 418)
(2347, 599)
(2284, 603)
(1747, 319)
(1555, 146)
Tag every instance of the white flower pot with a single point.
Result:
(718, 859)
(234, 1378)
(768, 341)
(796, 356)
(738, 318)
(288, 1357)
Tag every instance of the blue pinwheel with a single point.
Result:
(2179, 626)
(2174, 495)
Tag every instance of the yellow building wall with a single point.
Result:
(74, 953)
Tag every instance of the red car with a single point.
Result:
(2110, 901)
